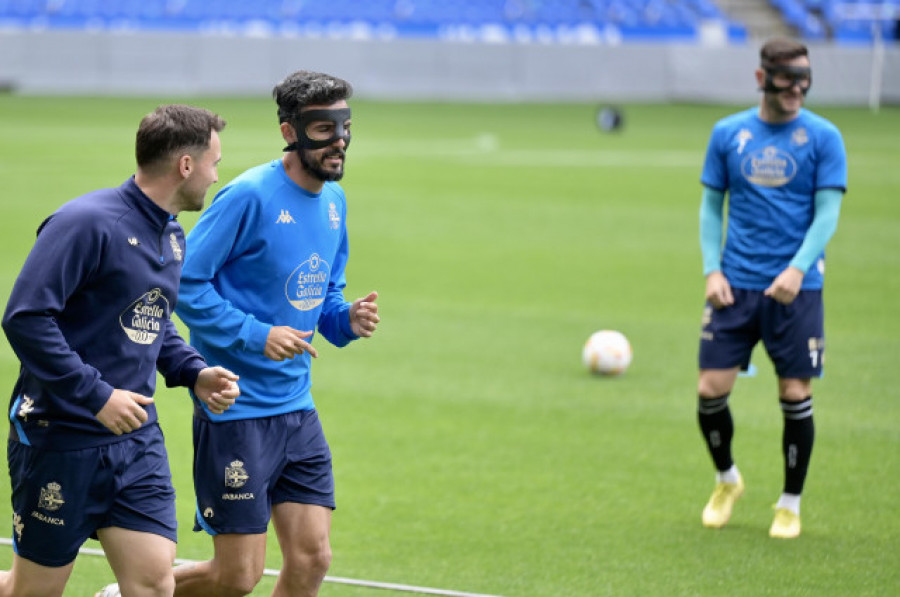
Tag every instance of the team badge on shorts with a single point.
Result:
(235, 475)
(51, 498)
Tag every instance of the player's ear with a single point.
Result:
(185, 165)
(760, 79)
(288, 132)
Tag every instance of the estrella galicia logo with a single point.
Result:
(144, 319)
(305, 288)
(769, 167)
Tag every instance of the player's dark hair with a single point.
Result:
(305, 88)
(174, 128)
(780, 50)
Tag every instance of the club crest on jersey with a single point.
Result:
(235, 475)
(334, 217)
(51, 498)
(769, 167)
(799, 137)
(305, 288)
(176, 248)
(144, 319)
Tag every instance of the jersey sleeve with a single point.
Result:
(65, 256)
(831, 172)
(715, 171)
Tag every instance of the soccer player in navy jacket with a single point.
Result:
(784, 170)
(90, 319)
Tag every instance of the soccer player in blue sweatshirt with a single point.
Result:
(264, 270)
(784, 170)
(90, 319)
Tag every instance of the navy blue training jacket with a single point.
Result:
(91, 311)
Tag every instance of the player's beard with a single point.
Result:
(308, 160)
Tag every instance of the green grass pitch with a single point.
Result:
(472, 451)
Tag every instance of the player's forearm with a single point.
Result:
(822, 228)
(711, 205)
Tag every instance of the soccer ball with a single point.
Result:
(109, 591)
(606, 352)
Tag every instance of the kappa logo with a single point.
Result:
(133, 241)
(285, 217)
(18, 525)
(26, 408)
(208, 513)
(742, 137)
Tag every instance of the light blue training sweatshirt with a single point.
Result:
(266, 252)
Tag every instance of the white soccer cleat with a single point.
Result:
(109, 591)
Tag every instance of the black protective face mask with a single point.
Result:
(338, 116)
(798, 75)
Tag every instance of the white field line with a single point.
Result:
(486, 150)
(90, 551)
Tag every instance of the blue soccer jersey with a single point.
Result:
(266, 252)
(771, 173)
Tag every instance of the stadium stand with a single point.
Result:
(541, 21)
(844, 21)
(550, 21)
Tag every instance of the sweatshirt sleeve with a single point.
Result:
(200, 305)
(178, 362)
(65, 256)
(334, 321)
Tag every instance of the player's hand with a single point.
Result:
(786, 286)
(718, 290)
(364, 315)
(124, 411)
(285, 342)
(217, 387)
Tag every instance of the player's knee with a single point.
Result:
(312, 565)
(715, 383)
(158, 585)
(794, 390)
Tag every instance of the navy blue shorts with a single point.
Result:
(61, 498)
(243, 467)
(793, 335)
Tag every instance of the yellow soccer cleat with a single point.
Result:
(718, 509)
(786, 524)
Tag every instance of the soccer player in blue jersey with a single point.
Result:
(89, 318)
(784, 171)
(264, 270)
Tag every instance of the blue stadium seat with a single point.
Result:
(661, 19)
